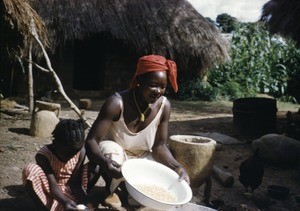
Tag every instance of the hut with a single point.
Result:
(281, 17)
(94, 44)
(16, 19)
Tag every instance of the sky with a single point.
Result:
(243, 10)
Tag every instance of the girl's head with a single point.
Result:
(69, 138)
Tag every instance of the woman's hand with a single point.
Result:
(162, 154)
(113, 169)
(182, 173)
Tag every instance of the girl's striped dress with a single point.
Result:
(62, 172)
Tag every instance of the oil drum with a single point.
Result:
(255, 115)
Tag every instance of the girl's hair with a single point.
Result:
(69, 132)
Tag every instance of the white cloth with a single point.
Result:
(115, 152)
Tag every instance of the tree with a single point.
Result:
(226, 22)
(211, 21)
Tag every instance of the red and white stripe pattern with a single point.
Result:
(62, 172)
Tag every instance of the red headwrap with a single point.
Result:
(151, 63)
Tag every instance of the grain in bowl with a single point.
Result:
(156, 192)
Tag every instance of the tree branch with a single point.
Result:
(56, 78)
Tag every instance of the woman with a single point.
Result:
(134, 123)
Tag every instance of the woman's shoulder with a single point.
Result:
(114, 103)
(117, 96)
(165, 101)
(166, 106)
(113, 99)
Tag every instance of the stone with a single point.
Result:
(85, 104)
(42, 105)
(43, 123)
(277, 149)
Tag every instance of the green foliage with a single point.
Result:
(196, 89)
(226, 22)
(260, 63)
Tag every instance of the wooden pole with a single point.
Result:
(56, 78)
(30, 80)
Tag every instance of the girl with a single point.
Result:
(58, 180)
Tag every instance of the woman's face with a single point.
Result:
(153, 85)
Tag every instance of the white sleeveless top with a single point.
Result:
(135, 144)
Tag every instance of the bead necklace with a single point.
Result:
(142, 117)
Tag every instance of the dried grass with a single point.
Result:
(172, 28)
(20, 16)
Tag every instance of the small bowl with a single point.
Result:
(81, 207)
(148, 172)
(278, 192)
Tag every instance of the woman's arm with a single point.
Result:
(55, 191)
(161, 152)
(109, 112)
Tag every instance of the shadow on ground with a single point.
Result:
(223, 125)
(22, 131)
(18, 201)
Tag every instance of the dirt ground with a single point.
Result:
(18, 148)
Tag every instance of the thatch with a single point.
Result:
(18, 17)
(172, 28)
(282, 17)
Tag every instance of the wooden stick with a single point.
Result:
(223, 177)
(56, 78)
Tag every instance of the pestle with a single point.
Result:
(223, 177)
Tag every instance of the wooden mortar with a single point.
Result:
(195, 154)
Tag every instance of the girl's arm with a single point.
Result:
(161, 152)
(75, 181)
(55, 191)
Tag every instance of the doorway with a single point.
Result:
(89, 64)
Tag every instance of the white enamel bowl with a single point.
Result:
(147, 172)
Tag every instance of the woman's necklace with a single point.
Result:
(142, 117)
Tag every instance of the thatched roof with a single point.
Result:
(282, 17)
(172, 28)
(16, 19)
